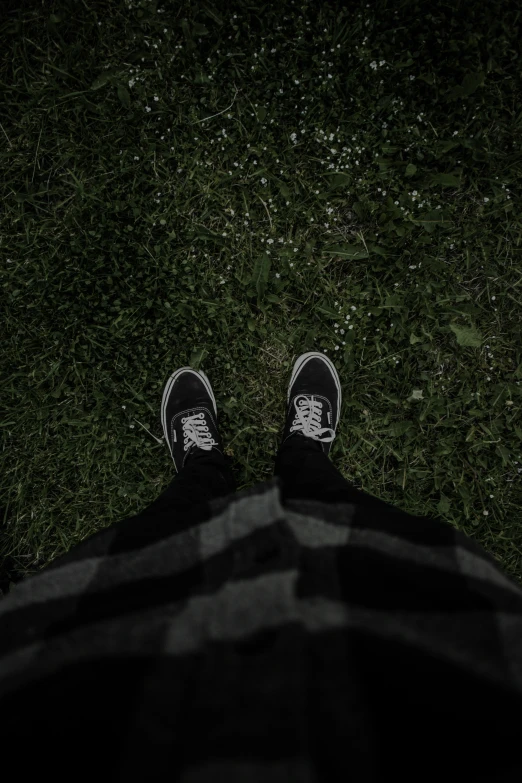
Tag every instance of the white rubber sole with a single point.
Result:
(302, 360)
(167, 390)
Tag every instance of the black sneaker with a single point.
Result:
(314, 400)
(189, 415)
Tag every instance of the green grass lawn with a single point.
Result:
(229, 185)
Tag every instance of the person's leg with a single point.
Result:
(305, 471)
(189, 420)
(313, 410)
(205, 476)
(203, 471)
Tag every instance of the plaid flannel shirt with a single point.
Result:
(257, 639)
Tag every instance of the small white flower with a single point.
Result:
(486, 200)
(277, 274)
(485, 512)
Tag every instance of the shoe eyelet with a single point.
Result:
(183, 421)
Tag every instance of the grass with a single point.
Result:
(229, 185)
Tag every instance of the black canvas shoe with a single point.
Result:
(314, 400)
(189, 415)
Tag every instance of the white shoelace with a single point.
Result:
(308, 419)
(195, 431)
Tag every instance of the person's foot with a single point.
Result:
(189, 415)
(314, 400)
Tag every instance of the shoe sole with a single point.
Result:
(166, 393)
(299, 363)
